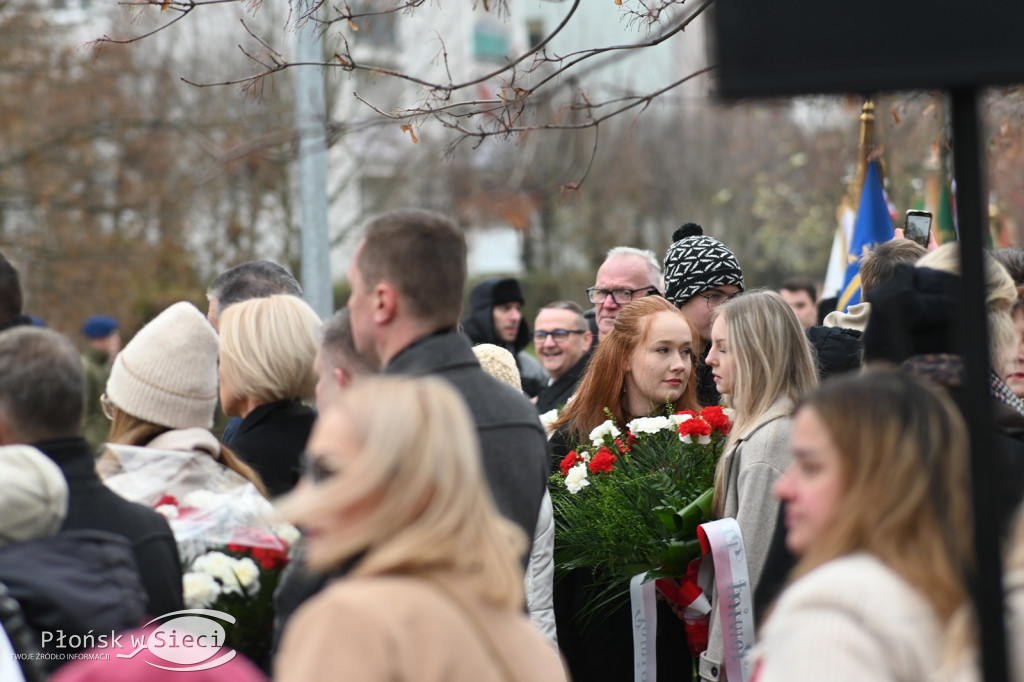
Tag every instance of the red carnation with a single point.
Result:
(695, 427)
(603, 461)
(689, 412)
(716, 417)
(623, 447)
(569, 461)
(166, 499)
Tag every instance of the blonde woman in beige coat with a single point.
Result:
(394, 485)
(761, 363)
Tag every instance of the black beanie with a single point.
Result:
(506, 291)
(912, 313)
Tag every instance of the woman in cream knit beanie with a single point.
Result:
(162, 390)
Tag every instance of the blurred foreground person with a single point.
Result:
(41, 398)
(878, 510)
(394, 481)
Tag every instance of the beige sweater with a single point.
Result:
(752, 465)
(850, 620)
(399, 628)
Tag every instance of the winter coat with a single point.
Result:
(403, 627)
(77, 582)
(513, 445)
(854, 619)
(271, 440)
(479, 328)
(562, 388)
(540, 573)
(93, 506)
(752, 464)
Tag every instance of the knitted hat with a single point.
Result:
(33, 495)
(167, 374)
(696, 263)
(499, 363)
(99, 327)
(914, 312)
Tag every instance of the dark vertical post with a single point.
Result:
(972, 213)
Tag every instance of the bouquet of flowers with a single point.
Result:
(233, 546)
(630, 501)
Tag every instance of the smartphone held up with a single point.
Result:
(918, 227)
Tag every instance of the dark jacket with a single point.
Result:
(74, 582)
(836, 350)
(479, 327)
(271, 439)
(93, 506)
(513, 446)
(562, 388)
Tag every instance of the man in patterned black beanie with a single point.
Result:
(701, 273)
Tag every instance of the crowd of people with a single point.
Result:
(412, 440)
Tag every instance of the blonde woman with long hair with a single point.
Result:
(435, 591)
(762, 364)
(877, 509)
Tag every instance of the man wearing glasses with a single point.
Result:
(626, 273)
(701, 273)
(563, 342)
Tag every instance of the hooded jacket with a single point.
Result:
(479, 328)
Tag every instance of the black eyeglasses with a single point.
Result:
(717, 298)
(559, 335)
(620, 296)
(314, 469)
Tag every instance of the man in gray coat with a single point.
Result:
(407, 280)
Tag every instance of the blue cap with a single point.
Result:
(99, 326)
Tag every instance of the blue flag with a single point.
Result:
(873, 226)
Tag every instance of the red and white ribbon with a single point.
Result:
(722, 539)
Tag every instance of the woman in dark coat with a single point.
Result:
(268, 350)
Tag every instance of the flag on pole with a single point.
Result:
(873, 226)
(836, 271)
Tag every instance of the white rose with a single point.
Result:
(200, 589)
(200, 499)
(248, 574)
(576, 479)
(288, 533)
(605, 429)
(648, 424)
(221, 567)
(168, 511)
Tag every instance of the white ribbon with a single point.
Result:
(644, 615)
(735, 607)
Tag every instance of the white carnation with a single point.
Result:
(649, 424)
(200, 589)
(605, 429)
(576, 479)
(168, 511)
(676, 419)
(548, 418)
(704, 440)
